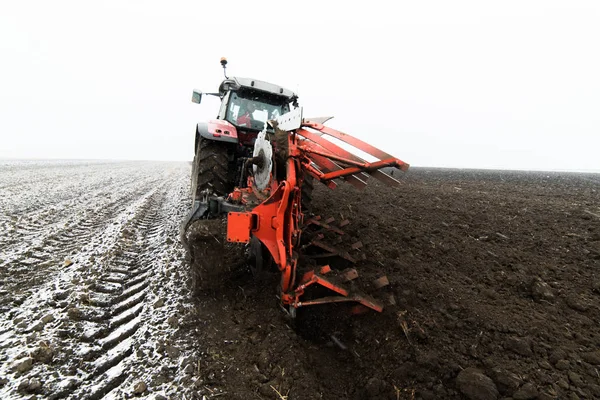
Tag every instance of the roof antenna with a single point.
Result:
(224, 64)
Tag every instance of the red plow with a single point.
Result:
(257, 163)
(278, 221)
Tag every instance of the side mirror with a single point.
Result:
(196, 96)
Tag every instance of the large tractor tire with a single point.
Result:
(212, 168)
(205, 239)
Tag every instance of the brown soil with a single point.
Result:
(489, 270)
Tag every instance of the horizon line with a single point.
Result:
(574, 170)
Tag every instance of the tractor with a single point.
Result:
(252, 178)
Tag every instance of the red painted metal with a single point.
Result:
(239, 227)
(317, 138)
(220, 127)
(277, 221)
(327, 165)
(351, 140)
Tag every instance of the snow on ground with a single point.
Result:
(93, 279)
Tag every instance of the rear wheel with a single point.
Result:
(212, 168)
(205, 239)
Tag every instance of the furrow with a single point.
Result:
(137, 278)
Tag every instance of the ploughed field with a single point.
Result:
(493, 291)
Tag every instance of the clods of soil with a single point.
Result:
(493, 293)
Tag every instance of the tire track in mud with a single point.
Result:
(70, 276)
(119, 296)
(122, 295)
(109, 322)
(49, 218)
(59, 197)
(46, 251)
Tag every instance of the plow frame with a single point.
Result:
(277, 221)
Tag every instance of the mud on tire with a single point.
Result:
(205, 240)
(210, 255)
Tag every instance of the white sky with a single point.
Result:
(506, 84)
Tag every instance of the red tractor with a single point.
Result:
(256, 164)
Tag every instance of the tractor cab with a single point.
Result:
(249, 104)
(246, 106)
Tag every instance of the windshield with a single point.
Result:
(252, 111)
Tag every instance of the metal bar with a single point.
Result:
(340, 299)
(369, 302)
(326, 165)
(318, 256)
(330, 285)
(318, 174)
(325, 300)
(328, 145)
(385, 178)
(318, 237)
(351, 140)
(309, 148)
(353, 170)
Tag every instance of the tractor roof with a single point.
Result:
(235, 83)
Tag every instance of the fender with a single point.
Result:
(218, 130)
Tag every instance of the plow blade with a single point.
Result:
(333, 250)
(316, 220)
(364, 300)
(343, 295)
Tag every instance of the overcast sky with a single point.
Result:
(506, 84)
